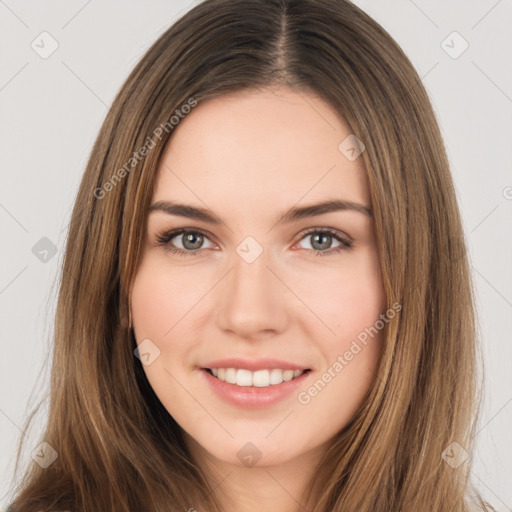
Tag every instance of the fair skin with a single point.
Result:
(248, 158)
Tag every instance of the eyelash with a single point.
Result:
(164, 238)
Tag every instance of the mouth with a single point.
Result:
(256, 379)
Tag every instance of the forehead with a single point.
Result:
(261, 148)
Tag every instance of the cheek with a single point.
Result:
(348, 297)
(350, 305)
(162, 295)
(160, 299)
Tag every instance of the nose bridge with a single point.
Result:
(249, 301)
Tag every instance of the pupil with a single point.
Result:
(190, 238)
(320, 236)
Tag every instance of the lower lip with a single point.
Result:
(249, 397)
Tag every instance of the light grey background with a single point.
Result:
(52, 109)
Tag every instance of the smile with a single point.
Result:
(258, 389)
(260, 378)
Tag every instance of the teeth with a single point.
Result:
(258, 379)
(243, 377)
(276, 376)
(288, 375)
(230, 375)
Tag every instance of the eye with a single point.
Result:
(190, 240)
(323, 238)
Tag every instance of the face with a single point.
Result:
(260, 330)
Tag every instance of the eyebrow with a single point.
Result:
(293, 214)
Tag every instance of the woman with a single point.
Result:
(205, 358)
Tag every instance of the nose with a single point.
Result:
(252, 299)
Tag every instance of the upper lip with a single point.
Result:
(254, 364)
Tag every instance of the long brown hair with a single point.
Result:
(118, 447)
